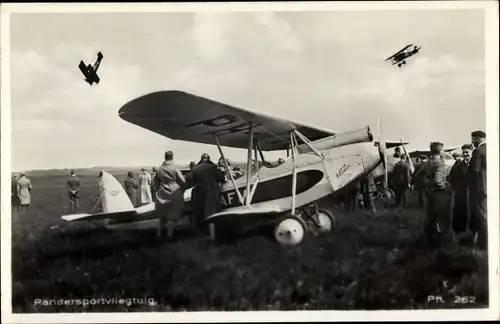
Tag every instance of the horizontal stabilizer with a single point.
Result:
(95, 217)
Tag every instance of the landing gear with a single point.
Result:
(318, 221)
(290, 230)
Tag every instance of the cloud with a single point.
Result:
(324, 69)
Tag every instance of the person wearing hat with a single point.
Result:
(169, 196)
(478, 189)
(24, 191)
(15, 202)
(418, 180)
(153, 190)
(131, 187)
(73, 187)
(206, 179)
(401, 179)
(438, 194)
(458, 178)
(145, 187)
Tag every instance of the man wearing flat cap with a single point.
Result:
(477, 189)
(438, 193)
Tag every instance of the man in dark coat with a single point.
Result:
(477, 190)
(16, 203)
(131, 187)
(206, 178)
(418, 180)
(438, 193)
(458, 179)
(153, 189)
(368, 189)
(401, 177)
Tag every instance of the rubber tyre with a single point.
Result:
(289, 231)
(326, 220)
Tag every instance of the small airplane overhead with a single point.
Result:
(89, 71)
(400, 57)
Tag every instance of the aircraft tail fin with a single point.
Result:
(114, 199)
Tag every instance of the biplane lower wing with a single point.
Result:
(417, 153)
(182, 116)
(266, 209)
(98, 216)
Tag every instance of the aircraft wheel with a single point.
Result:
(326, 222)
(390, 194)
(289, 231)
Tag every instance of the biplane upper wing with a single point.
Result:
(83, 68)
(387, 59)
(182, 116)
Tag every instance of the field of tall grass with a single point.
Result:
(366, 263)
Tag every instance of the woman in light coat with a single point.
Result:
(145, 187)
(24, 191)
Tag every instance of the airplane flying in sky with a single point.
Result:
(400, 57)
(321, 162)
(89, 71)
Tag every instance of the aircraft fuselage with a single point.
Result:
(316, 179)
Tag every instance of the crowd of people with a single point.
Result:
(455, 199)
(205, 179)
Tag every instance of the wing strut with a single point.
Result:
(249, 160)
(240, 198)
(257, 171)
(308, 143)
(294, 181)
(320, 155)
(410, 162)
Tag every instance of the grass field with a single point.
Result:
(367, 263)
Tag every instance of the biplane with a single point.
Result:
(89, 71)
(400, 57)
(321, 162)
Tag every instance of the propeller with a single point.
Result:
(382, 149)
(410, 162)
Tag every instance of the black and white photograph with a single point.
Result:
(200, 162)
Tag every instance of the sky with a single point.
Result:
(320, 68)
